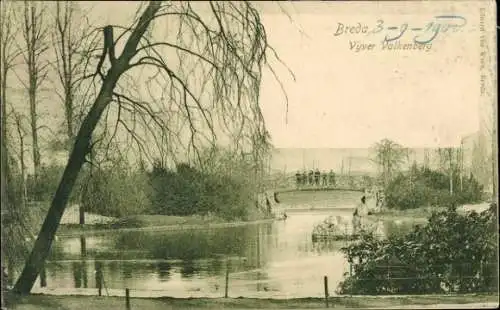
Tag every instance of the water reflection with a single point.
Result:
(184, 245)
(127, 270)
(188, 268)
(80, 275)
(266, 260)
(163, 269)
(99, 276)
(83, 246)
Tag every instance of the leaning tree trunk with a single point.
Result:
(81, 147)
(451, 182)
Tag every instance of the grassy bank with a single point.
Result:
(154, 222)
(417, 213)
(93, 302)
(421, 213)
(98, 223)
(137, 221)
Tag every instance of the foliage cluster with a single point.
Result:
(43, 187)
(115, 191)
(188, 191)
(453, 252)
(222, 185)
(425, 187)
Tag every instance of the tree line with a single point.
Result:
(410, 185)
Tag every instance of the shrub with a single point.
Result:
(453, 252)
(401, 193)
(223, 184)
(188, 191)
(174, 193)
(423, 187)
(116, 191)
(44, 187)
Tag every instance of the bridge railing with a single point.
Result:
(340, 182)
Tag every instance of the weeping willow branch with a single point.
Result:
(202, 82)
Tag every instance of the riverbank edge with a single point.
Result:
(43, 301)
(420, 215)
(77, 231)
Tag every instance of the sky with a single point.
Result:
(347, 99)
(340, 98)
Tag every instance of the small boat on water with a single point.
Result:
(332, 228)
(337, 228)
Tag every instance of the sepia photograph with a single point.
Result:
(249, 155)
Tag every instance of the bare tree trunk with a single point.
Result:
(81, 147)
(349, 169)
(446, 164)
(34, 134)
(461, 166)
(4, 122)
(4, 109)
(33, 38)
(450, 155)
(451, 182)
(410, 166)
(21, 158)
(389, 169)
(426, 159)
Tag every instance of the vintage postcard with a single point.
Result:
(302, 154)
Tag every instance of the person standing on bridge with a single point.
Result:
(298, 179)
(331, 178)
(317, 176)
(325, 179)
(311, 177)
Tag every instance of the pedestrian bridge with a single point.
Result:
(320, 188)
(292, 196)
(339, 183)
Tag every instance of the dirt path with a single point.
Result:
(358, 302)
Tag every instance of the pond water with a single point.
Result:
(277, 260)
